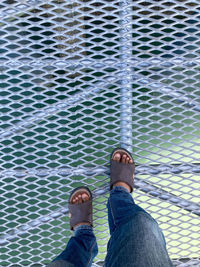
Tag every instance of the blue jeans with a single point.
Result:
(136, 239)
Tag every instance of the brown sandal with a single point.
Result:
(121, 172)
(82, 212)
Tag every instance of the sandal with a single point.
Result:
(121, 172)
(82, 212)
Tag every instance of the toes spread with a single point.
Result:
(122, 157)
(80, 198)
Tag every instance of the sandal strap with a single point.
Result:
(80, 213)
(121, 172)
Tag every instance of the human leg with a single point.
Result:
(82, 247)
(136, 239)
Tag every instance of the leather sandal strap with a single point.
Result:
(121, 172)
(80, 213)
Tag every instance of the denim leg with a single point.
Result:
(136, 239)
(81, 248)
(121, 207)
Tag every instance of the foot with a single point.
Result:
(78, 199)
(124, 159)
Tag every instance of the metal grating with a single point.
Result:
(79, 77)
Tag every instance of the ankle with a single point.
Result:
(81, 224)
(82, 227)
(123, 185)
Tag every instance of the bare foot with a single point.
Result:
(124, 159)
(78, 199)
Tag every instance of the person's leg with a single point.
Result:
(136, 239)
(82, 247)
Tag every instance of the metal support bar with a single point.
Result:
(152, 169)
(126, 86)
(49, 111)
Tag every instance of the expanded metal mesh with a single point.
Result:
(78, 78)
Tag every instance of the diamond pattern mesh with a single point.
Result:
(78, 78)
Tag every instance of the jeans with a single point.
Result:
(136, 239)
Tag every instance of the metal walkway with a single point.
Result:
(78, 78)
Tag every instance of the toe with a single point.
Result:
(85, 197)
(74, 200)
(117, 157)
(124, 158)
(127, 160)
(79, 199)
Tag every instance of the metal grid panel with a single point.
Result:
(77, 79)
